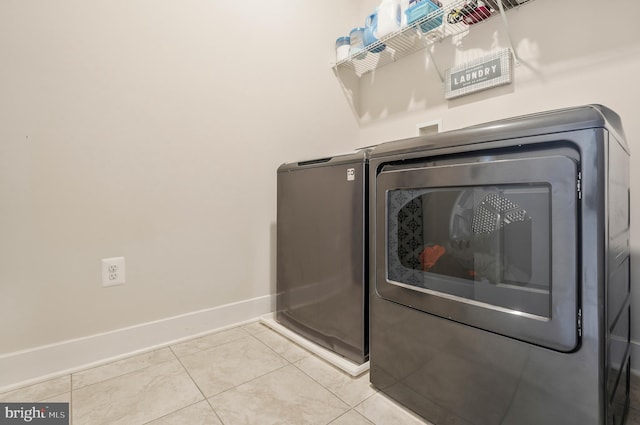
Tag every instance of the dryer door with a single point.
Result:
(489, 244)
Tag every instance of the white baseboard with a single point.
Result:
(34, 365)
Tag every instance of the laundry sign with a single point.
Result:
(486, 72)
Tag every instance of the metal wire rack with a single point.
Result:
(453, 18)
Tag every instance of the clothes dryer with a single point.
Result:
(499, 268)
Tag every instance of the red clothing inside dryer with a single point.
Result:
(430, 256)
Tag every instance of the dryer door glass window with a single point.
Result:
(492, 244)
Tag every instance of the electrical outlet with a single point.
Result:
(113, 271)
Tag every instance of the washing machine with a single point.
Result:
(322, 287)
(500, 274)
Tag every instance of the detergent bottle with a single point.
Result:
(389, 17)
(370, 30)
(404, 5)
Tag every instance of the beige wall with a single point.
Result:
(152, 129)
(572, 52)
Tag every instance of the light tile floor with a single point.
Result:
(245, 375)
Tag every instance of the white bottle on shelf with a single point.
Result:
(404, 5)
(389, 17)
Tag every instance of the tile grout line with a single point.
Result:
(211, 347)
(130, 357)
(175, 357)
(36, 384)
(328, 389)
(123, 375)
(274, 351)
(339, 416)
(294, 364)
(208, 399)
(289, 363)
(248, 334)
(354, 411)
(214, 411)
(126, 373)
(246, 382)
(319, 383)
(171, 413)
(196, 384)
(204, 397)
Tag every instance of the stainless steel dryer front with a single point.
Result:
(500, 271)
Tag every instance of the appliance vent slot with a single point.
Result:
(314, 161)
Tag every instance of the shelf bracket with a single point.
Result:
(435, 65)
(348, 93)
(506, 27)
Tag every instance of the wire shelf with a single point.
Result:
(453, 18)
